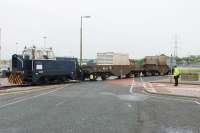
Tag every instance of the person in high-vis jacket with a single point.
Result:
(176, 74)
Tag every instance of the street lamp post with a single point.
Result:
(44, 37)
(171, 61)
(17, 47)
(0, 46)
(81, 40)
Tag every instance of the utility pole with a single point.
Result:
(17, 47)
(176, 46)
(81, 40)
(45, 38)
(0, 45)
(174, 56)
(171, 66)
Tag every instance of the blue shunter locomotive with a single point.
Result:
(37, 66)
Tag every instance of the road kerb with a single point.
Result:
(173, 83)
(152, 90)
(21, 91)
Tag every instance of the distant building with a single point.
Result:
(5, 66)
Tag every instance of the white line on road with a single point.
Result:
(141, 80)
(25, 99)
(175, 99)
(133, 81)
(131, 88)
(197, 102)
(60, 103)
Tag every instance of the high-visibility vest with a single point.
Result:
(176, 72)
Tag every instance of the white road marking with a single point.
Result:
(108, 93)
(25, 99)
(60, 103)
(176, 99)
(150, 84)
(131, 88)
(151, 90)
(129, 105)
(197, 102)
(133, 81)
(141, 80)
(143, 83)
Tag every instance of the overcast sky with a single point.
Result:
(137, 27)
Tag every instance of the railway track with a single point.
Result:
(5, 87)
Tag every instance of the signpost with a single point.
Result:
(171, 63)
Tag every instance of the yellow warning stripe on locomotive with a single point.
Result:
(15, 78)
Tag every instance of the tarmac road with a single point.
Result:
(97, 107)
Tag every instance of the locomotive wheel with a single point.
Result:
(119, 77)
(103, 77)
(144, 73)
(136, 75)
(162, 73)
(153, 74)
(82, 77)
(93, 77)
(128, 75)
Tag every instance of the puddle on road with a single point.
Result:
(133, 97)
(178, 130)
(128, 97)
(9, 130)
(108, 94)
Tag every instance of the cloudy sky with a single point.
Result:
(137, 27)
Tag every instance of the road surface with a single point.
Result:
(97, 107)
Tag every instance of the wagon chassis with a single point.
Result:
(92, 72)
